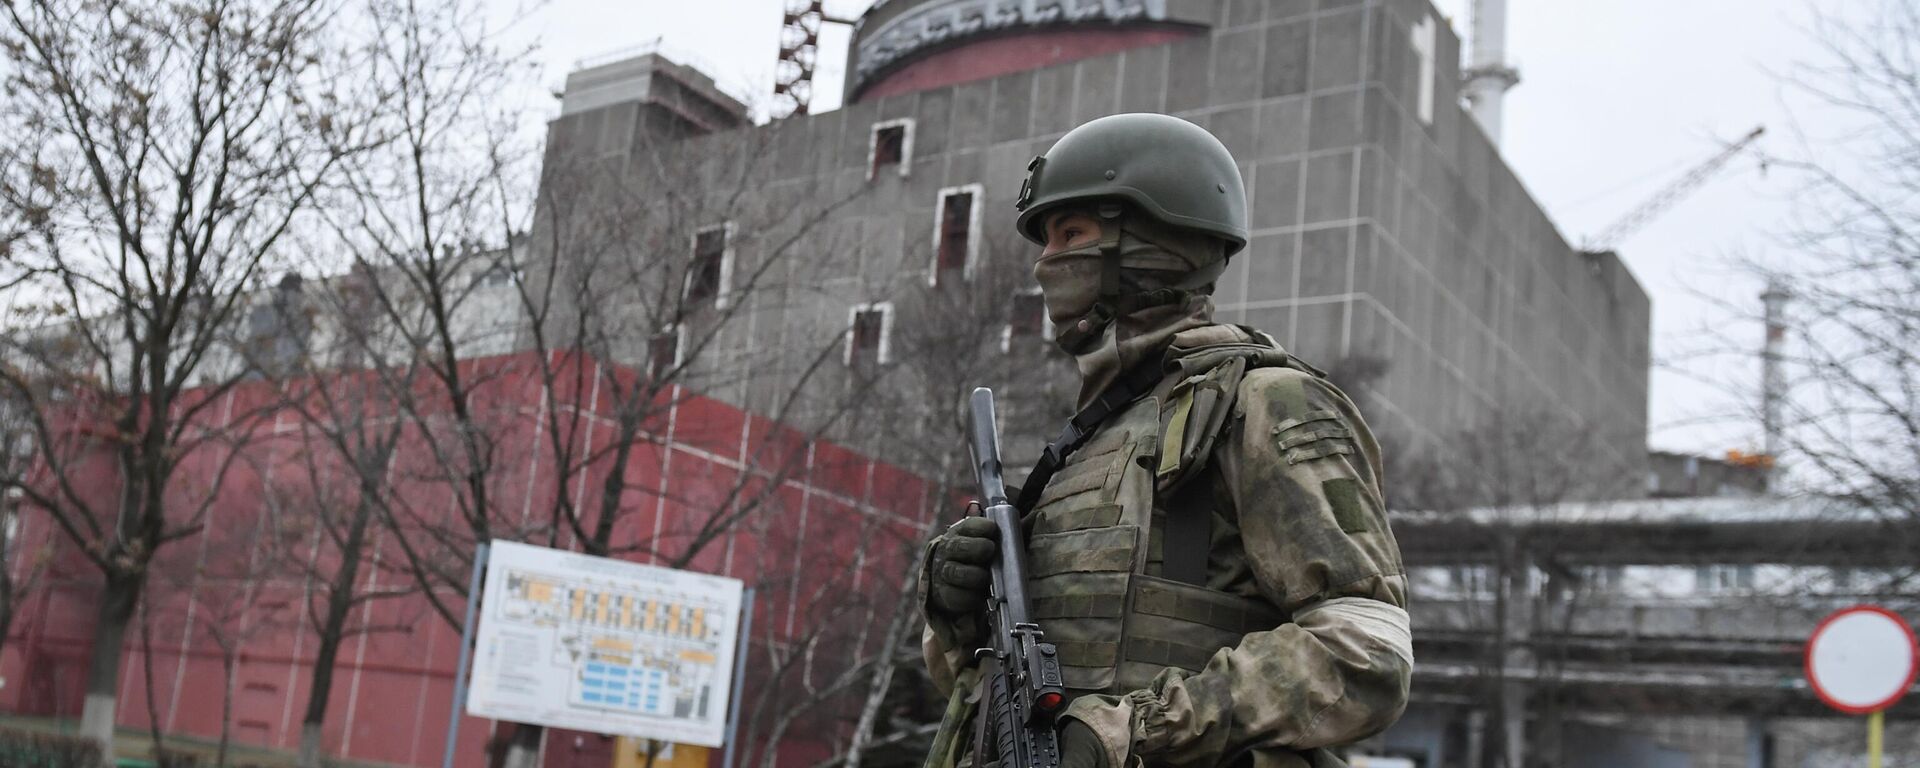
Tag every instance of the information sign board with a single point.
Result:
(606, 646)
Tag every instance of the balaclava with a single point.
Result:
(1118, 302)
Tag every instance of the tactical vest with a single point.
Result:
(1096, 536)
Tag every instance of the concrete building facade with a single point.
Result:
(1390, 242)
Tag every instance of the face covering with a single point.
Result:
(1161, 288)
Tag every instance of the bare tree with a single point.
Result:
(162, 152)
(983, 326)
(417, 219)
(1848, 418)
(645, 282)
(347, 435)
(1509, 606)
(226, 594)
(641, 282)
(636, 290)
(20, 566)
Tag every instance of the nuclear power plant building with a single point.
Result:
(1391, 244)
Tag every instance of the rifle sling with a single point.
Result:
(1131, 385)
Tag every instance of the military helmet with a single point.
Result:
(1164, 166)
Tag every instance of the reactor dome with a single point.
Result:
(902, 46)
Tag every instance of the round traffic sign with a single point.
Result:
(1861, 659)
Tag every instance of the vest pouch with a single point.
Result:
(1087, 538)
(1090, 474)
(1078, 593)
(1174, 624)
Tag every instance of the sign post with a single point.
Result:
(466, 654)
(739, 680)
(1860, 661)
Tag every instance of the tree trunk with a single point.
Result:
(309, 745)
(117, 603)
(524, 750)
(226, 708)
(6, 592)
(339, 607)
(897, 629)
(146, 671)
(318, 693)
(7, 516)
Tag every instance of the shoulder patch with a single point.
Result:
(1306, 423)
(1343, 497)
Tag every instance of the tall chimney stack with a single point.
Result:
(1773, 383)
(1488, 77)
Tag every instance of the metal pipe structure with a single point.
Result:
(1488, 77)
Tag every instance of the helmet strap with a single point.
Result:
(1110, 233)
(1178, 293)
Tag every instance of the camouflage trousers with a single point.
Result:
(953, 744)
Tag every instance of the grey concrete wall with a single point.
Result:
(1375, 235)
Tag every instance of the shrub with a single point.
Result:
(30, 749)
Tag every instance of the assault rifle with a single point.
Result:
(1024, 689)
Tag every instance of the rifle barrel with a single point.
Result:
(986, 447)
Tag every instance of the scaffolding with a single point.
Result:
(799, 53)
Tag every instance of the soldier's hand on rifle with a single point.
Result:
(959, 575)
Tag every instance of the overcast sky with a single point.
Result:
(1617, 99)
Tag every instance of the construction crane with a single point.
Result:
(1626, 226)
(799, 51)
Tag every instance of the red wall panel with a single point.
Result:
(393, 683)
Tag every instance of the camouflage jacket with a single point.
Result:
(1298, 526)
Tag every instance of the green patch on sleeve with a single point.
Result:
(1175, 438)
(1343, 495)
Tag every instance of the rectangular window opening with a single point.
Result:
(956, 231)
(888, 144)
(663, 352)
(1026, 318)
(868, 328)
(955, 249)
(707, 272)
(891, 146)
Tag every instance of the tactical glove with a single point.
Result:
(1079, 748)
(958, 577)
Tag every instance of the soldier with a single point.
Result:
(1209, 549)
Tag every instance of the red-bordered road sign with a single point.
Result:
(1862, 659)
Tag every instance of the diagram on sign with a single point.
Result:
(649, 653)
(597, 644)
